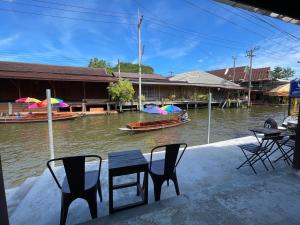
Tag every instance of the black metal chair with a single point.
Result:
(287, 148)
(165, 169)
(254, 153)
(78, 183)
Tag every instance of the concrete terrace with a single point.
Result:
(212, 192)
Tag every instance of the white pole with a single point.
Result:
(140, 19)
(50, 130)
(209, 117)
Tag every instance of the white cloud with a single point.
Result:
(200, 60)
(174, 52)
(5, 42)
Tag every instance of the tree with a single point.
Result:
(282, 73)
(100, 63)
(121, 91)
(133, 68)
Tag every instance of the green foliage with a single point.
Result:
(121, 91)
(124, 66)
(100, 63)
(199, 97)
(143, 98)
(282, 73)
(173, 97)
(133, 68)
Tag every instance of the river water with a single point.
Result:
(24, 147)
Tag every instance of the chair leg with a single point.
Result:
(174, 178)
(157, 183)
(91, 198)
(65, 203)
(99, 190)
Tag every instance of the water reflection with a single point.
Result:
(24, 147)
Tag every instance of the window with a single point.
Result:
(150, 93)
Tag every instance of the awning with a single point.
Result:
(282, 91)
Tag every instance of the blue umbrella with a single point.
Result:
(155, 110)
(171, 108)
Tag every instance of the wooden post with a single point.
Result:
(296, 159)
(3, 204)
(19, 89)
(84, 90)
(10, 109)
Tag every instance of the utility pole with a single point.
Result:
(119, 69)
(140, 19)
(234, 58)
(171, 73)
(250, 54)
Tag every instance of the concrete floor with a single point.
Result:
(213, 192)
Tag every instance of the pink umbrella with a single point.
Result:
(40, 105)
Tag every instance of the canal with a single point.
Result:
(24, 147)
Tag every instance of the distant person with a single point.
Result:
(183, 117)
(18, 115)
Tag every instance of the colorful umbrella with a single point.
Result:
(61, 105)
(28, 100)
(171, 108)
(40, 105)
(155, 110)
(53, 101)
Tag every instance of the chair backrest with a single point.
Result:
(171, 156)
(270, 123)
(75, 171)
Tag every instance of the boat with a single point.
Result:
(38, 117)
(153, 125)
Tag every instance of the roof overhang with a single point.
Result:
(54, 77)
(284, 10)
(190, 84)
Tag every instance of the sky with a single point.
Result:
(177, 35)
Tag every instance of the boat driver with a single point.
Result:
(184, 116)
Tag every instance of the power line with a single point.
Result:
(158, 20)
(80, 7)
(232, 22)
(63, 17)
(271, 25)
(241, 16)
(66, 10)
(221, 17)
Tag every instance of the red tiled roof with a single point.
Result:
(144, 76)
(242, 75)
(18, 70)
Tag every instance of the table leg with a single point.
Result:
(110, 190)
(145, 185)
(138, 183)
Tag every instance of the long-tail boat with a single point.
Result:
(37, 117)
(153, 125)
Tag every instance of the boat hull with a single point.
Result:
(155, 125)
(37, 118)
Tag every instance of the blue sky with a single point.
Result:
(177, 35)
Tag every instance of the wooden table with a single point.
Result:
(125, 163)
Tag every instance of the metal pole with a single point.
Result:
(234, 58)
(209, 117)
(3, 205)
(119, 68)
(250, 55)
(140, 19)
(50, 130)
(296, 159)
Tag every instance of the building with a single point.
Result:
(181, 87)
(72, 84)
(85, 88)
(261, 80)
